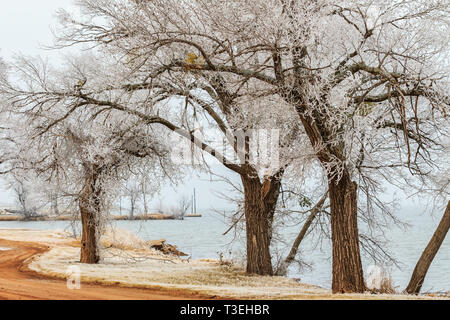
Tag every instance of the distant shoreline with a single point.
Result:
(152, 216)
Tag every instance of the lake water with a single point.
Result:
(202, 238)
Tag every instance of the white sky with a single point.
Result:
(24, 28)
(25, 25)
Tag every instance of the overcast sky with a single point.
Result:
(26, 24)
(24, 28)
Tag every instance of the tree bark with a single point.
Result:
(347, 267)
(421, 269)
(258, 214)
(89, 245)
(89, 204)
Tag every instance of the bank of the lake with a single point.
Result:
(150, 216)
(202, 238)
(130, 270)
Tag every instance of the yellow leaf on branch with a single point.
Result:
(193, 61)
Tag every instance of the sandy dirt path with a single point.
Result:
(17, 282)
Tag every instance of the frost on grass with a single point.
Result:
(121, 239)
(139, 266)
(153, 269)
(54, 237)
(128, 260)
(379, 280)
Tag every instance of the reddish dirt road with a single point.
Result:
(17, 282)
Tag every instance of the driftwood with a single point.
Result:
(165, 248)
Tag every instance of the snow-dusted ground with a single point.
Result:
(129, 262)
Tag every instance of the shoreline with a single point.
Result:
(47, 254)
(20, 282)
(145, 217)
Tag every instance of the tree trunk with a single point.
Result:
(90, 210)
(418, 276)
(89, 245)
(347, 266)
(54, 204)
(257, 228)
(132, 202)
(144, 200)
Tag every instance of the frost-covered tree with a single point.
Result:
(367, 79)
(146, 181)
(23, 193)
(259, 142)
(133, 191)
(239, 131)
(3, 138)
(85, 154)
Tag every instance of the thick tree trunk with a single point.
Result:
(89, 245)
(258, 228)
(347, 267)
(421, 269)
(90, 211)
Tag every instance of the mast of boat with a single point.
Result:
(195, 203)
